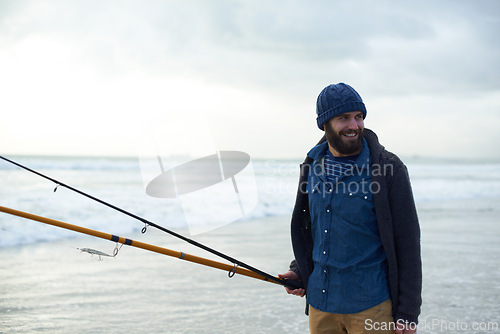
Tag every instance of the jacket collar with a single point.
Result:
(318, 151)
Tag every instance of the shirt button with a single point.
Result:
(324, 291)
(324, 252)
(366, 197)
(324, 270)
(326, 231)
(327, 210)
(350, 194)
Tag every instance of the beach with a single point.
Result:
(52, 287)
(48, 285)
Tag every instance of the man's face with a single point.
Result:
(345, 133)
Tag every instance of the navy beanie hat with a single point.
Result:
(337, 99)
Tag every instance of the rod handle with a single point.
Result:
(292, 284)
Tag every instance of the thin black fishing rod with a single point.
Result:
(288, 283)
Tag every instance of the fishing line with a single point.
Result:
(289, 283)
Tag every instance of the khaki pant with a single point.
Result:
(377, 319)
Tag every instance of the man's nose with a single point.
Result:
(353, 124)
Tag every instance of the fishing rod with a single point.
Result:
(125, 241)
(285, 282)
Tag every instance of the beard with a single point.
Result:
(340, 144)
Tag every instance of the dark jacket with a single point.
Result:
(397, 222)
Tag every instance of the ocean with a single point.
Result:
(48, 285)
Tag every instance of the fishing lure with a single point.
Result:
(94, 252)
(99, 253)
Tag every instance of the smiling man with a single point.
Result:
(355, 231)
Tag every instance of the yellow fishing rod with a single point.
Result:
(285, 282)
(231, 269)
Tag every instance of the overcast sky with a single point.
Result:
(100, 77)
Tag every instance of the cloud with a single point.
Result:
(260, 62)
(264, 43)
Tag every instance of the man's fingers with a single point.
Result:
(293, 276)
(296, 292)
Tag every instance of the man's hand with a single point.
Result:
(293, 276)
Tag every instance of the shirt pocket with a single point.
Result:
(356, 204)
(317, 198)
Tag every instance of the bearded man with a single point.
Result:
(355, 230)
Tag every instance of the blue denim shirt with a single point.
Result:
(350, 266)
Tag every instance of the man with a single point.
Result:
(355, 231)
